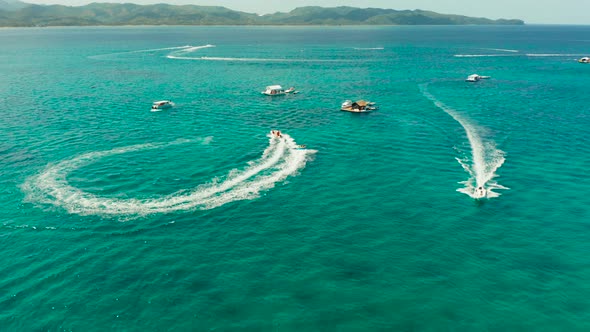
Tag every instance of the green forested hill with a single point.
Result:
(162, 14)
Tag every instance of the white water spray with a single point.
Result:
(485, 157)
(279, 160)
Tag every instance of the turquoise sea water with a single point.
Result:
(115, 218)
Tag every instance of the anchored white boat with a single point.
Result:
(162, 104)
(277, 90)
(359, 106)
(584, 60)
(475, 78)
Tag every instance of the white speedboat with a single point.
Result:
(162, 104)
(277, 90)
(480, 192)
(584, 60)
(359, 106)
(475, 78)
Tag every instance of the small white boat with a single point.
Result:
(162, 104)
(359, 106)
(475, 78)
(584, 60)
(277, 90)
(480, 192)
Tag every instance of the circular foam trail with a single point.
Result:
(278, 161)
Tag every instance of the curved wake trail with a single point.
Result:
(180, 54)
(207, 58)
(485, 157)
(184, 54)
(278, 161)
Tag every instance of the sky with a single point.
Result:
(531, 11)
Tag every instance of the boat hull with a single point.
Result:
(162, 105)
(356, 110)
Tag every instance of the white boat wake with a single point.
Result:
(101, 56)
(279, 160)
(181, 53)
(187, 52)
(485, 158)
(501, 50)
(514, 54)
(184, 54)
(484, 55)
(368, 48)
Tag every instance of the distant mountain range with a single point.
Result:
(14, 13)
(12, 5)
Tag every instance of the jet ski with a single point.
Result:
(480, 193)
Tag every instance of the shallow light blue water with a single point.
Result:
(193, 218)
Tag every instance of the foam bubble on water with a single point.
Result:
(278, 161)
(485, 157)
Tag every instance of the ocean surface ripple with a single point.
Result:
(194, 218)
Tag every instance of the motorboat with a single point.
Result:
(475, 78)
(584, 60)
(480, 192)
(162, 104)
(277, 90)
(359, 106)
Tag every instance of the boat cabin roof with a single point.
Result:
(161, 102)
(274, 87)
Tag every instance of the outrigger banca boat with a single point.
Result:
(277, 90)
(359, 106)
